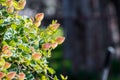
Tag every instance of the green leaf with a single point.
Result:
(13, 26)
(2, 62)
(44, 77)
(25, 39)
(1, 21)
(54, 21)
(51, 71)
(4, 43)
(12, 43)
(32, 35)
(24, 48)
(1, 1)
(55, 78)
(29, 75)
(63, 78)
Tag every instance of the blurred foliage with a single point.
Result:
(62, 65)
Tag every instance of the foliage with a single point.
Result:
(25, 48)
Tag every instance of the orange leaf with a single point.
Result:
(36, 56)
(39, 16)
(60, 39)
(21, 76)
(7, 65)
(2, 75)
(46, 46)
(10, 75)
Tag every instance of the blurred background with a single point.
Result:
(90, 27)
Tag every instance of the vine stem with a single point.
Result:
(50, 76)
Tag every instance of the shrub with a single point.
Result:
(24, 47)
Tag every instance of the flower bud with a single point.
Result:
(37, 23)
(5, 47)
(36, 56)
(46, 46)
(54, 45)
(2, 75)
(10, 75)
(5, 51)
(21, 76)
(9, 3)
(7, 65)
(60, 39)
(39, 16)
(22, 4)
(10, 9)
(54, 26)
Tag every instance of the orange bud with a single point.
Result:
(2, 75)
(46, 46)
(37, 23)
(21, 76)
(60, 39)
(10, 75)
(5, 51)
(54, 26)
(9, 3)
(7, 65)
(10, 9)
(36, 56)
(54, 45)
(5, 47)
(39, 16)
(22, 4)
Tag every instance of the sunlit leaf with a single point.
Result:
(51, 71)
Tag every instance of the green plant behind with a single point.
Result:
(25, 48)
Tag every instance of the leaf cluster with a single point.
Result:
(25, 46)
